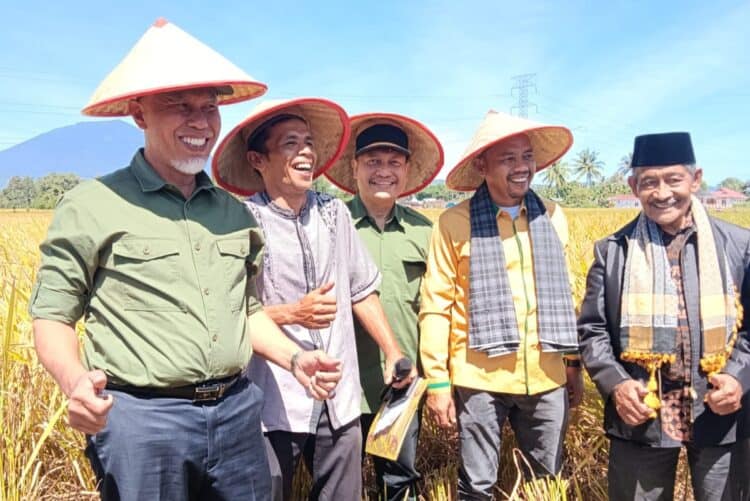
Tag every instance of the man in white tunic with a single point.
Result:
(316, 275)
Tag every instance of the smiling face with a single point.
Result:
(288, 164)
(381, 175)
(180, 128)
(508, 167)
(665, 193)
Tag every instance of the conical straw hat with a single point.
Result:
(425, 160)
(329, 125)
(549, 143)
(167, 59)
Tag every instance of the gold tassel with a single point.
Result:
(712, 364)
(652, 362)
(651, 399)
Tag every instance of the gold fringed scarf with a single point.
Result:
(649, 306)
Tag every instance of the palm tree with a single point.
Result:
(588, 165)
(623, 168)
(556, 177)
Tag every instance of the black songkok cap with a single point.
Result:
(669, 148)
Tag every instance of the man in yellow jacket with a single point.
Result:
(497, 319)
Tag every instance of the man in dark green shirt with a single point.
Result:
(158, 261)
(388, 157)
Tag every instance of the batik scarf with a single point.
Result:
(649, 303)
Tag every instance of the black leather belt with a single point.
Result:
(207, 391)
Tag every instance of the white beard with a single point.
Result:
(190, 167)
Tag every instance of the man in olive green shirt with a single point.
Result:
(390, 156)
(158, 261)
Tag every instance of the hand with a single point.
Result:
(317, 309)
(390, 363)
(87, 409)
(317, 372)
(574, 385)
(726, 395)
(442, 409)
(628, 397)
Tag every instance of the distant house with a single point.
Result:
(628, 201)
(723, 198)
(433, 203)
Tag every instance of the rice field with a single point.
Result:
(43, 459)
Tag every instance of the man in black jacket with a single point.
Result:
(663, 333)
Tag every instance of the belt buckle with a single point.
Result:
(208, 393)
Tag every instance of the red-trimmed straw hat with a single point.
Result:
(328, 123)
(549, 143)
(168, 59)
(422, 146)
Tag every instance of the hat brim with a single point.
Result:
(117, 106)
(328, 123)
(549, 143)
(425, 159)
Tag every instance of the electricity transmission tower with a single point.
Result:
(522, 85)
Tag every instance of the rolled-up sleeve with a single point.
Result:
(69, 259)
(254, 265)
(438, 295)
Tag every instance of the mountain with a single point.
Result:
(88, 149)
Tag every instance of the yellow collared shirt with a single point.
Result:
(444, 321)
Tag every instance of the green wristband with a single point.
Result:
(437, 386)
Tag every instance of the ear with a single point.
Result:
(135, 109)
(255, 159)
(355, 167)
(632, 182)
(695, 186)
(479, 165)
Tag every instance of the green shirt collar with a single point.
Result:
(359, 213)
(150, 180)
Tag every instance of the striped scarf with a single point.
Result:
(649, 303)
(493, 327)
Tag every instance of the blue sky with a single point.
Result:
(608, 70)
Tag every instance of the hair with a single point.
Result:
(691, 168)
(257, 139)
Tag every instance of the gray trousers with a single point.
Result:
(172, 449)
(639, 472)
(538, 421)
(333, 458)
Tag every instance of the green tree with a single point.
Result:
(588, 166)
(50, 188)
(733, 184)
(623, 168)
(556, 178)
(18, 194)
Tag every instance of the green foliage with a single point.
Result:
(588, 166)
(733, 184)
(18, 194)
(323, 185)
(43, 193)
(556, 178)
(50, 188)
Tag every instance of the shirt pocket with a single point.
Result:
(233, 254)
(414, 269)
(147, 269)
